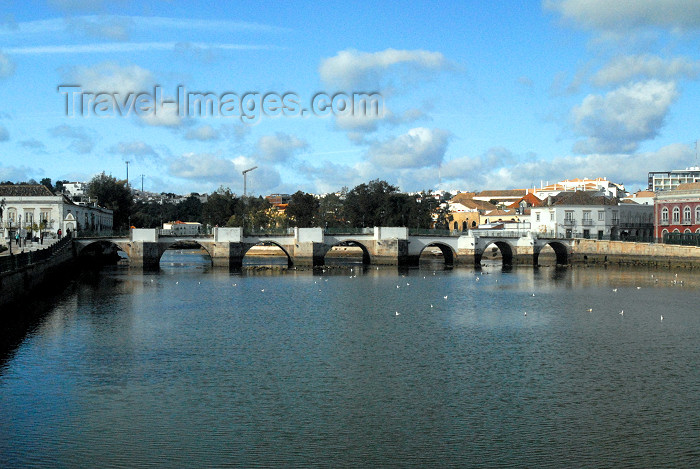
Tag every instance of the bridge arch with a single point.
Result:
(366, 258)
(267, 242)
(560, 250)
(503, 246)
(101, 251)
(183, 244)
(448, 254)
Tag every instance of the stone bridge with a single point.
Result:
(309, 246)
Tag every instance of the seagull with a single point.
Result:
(176, 283)
(262, 290)
(525, 313)
(614, 289)
(533, 294)
(622, 313)
(398, 314)
(397, 286)
(639, 288)
(445, 296)
(662, 317)
(431, 306)
(590, 310)
(408, 284)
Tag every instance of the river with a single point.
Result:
(358, 367)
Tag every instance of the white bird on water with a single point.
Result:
(445, 297)
(262, 290)
(590, 310)
(397, 313)
(614, 289)
(622, 313)
(525, 313)
(662, 317)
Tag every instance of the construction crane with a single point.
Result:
(245, 179)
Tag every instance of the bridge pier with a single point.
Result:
(144, 255)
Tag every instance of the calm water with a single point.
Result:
(193, 367)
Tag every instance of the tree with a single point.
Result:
(114, 195)
(189, 210)
(220, 206)
(303, 209)
(46, 182)
(58, 187)
(368, 204)
(330, 211)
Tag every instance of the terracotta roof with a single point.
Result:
(688, 186)
(530, 198)
(503, 193)
(501, 213)
(645, 194)
(583, 198)
(24, 190)
(465, 198)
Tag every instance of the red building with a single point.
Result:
(678, 210)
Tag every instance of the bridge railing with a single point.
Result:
(268, 231)
(500, 233)
(16, 261)
(101, 234)
(347, 230)
(433, 232)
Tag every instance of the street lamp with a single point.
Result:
(245, 178)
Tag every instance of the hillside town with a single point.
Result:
(32, 214)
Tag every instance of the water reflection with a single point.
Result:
(198, 366)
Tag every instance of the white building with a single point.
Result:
(74, 189)
(34, 210)
(669, 180)
(601, 185)
(183, 228)
(586, 215)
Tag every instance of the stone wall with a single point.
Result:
(588, 251)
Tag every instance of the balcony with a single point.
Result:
(569, 222)
(587, 222)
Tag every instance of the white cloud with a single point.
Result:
(418, 148)
(622, 15)
(618, 121)
(518, 172)
(353, 70)
(278, 148)
(203, 166)
(7, 66)
(33, 143)
(358, 127)
(81, 141)
(622, 69)
(110, 77)
(202, 133)
(104, 27)
(14, 173)
(136, 149)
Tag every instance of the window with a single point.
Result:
(601, 215)
(664, 214)
(537, 216)
(676, 215)
(686, 215)
(569, 216)
(697, 214)
(587, 215)
(615, 218)
(551, 216)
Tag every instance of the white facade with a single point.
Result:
(593, 221)
(669, 180)
(601, 185)
(181, 228)
(74, 189)
(46, 215)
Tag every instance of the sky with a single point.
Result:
(470, 95)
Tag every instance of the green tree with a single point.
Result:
(330, 211)
(189, 210)
(368, 204)
(46, 182)
(219, 208)
(303, 209)
(114, 195)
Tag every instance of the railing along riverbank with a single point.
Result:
(9, 263)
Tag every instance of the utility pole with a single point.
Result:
(127, 174)
(245, 180)
(142, 182)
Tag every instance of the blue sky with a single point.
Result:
(476, 95)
